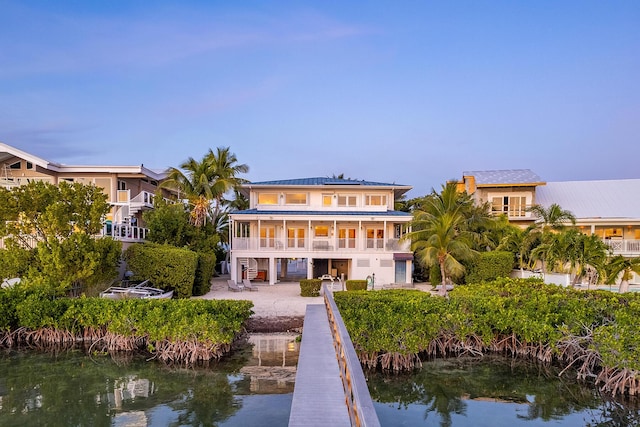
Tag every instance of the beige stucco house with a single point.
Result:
(607, 208)
(130, 190)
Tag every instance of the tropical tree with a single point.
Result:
(520, 242)
(204, 183)
(225, 169)
(584, 253)
(626, 266)
(440, 233)
(553, 218)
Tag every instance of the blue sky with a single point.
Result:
(406, 92)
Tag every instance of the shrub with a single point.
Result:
(310, 287)
(489, 266)
(166, 267)
(204, 273)
(356, 285)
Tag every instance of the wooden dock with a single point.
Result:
(318, 396)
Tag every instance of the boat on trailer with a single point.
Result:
(141, 290)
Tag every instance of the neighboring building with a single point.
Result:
(509, 192)
(130, 189)
(321, 226)
(607, 208)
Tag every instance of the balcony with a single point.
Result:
(624, 247)
(125, 232)
(318, 245)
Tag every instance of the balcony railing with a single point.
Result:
(125, 232)
(624, 247)
(318, 245)
(145, 198)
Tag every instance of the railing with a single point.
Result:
(25, 241)
(145, 198)
(621, 247)
(319, 245)
(125, 232)
(357, 396)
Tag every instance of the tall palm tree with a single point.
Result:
(204, 182)
(225, 170)
(440, 233)
(194, 184)
(626, 266)
(552, 218)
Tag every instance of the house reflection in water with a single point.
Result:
(272, 367)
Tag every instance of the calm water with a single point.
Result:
(255, 386)
(493, 391)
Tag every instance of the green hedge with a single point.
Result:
(166, 267)
(356, 285)
(310, 287)
(204, 273)
(15, 261)
(489, 266)
(538, 316)
(193, 320)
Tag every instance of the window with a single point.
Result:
(267, 237)
(327, 200)
(514, 206)
(295, 237)
(15, 165)
(376, 200)
(346, 200)
(267, 199)
(296, 198)
(122, 185)
(321, 230)
(347, 238)
(375, 238)
(29, 166)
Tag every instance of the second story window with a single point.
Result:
(267, 199)
(15, 165)
(327, 200)
(321, 231)
(376, 200)
(513, 206)
(347, 200)
(296, 198)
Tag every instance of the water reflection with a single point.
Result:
(73, 389)
(493, 391)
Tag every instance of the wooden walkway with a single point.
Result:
(318, 396)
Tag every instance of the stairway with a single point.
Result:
(251, 266)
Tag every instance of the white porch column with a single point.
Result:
(309, 268)
(233, 267)
(273, 271)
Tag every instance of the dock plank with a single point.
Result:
(318, 396)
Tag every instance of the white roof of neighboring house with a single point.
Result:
(7, 152)
(619, 198)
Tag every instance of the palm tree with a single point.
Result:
(520, 242)
(585, 252)
(206, 181)
(440, 233)
(626, 266)
(194, 184)
(224, 169)
(553, 218)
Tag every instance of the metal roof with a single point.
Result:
(323, 213)
(593, 199)
(504, 177)
(323, 181)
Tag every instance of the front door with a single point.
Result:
(401, 272)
